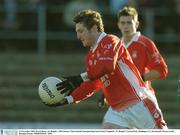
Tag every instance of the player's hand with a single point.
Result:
(101, 103)
(61, 103)
(69, 84)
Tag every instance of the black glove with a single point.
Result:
(69, 84)
(101, 102)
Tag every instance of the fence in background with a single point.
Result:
(41, 35)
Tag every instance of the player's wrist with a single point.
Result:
(84, 76)
(69, 99)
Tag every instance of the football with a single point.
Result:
(48, 91)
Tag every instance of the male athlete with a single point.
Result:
(143, 51)
(109, 67)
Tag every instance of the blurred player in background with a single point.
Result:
(109, 67)
(143, 51)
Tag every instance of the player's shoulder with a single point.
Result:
(146, 41)
(145, 38)
(111, 37)
(110, 41)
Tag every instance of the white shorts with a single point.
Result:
(143, 115)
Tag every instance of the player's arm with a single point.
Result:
(105, 64)
(85, 90)
(151, 75)
(156, 65)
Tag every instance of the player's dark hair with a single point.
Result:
(89, 18)
(128, 11)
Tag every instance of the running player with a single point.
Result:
(109, 67)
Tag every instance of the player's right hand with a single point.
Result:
(69, 84)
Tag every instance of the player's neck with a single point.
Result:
(128, 38)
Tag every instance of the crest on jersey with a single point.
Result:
(134, 54)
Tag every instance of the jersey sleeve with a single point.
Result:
(85, 90)
(105, 62)
(156, 61)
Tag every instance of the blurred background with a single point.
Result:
(37, 40)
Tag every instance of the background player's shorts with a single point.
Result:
(142, 115)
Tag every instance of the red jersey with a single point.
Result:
(146, 57)
(109, 67)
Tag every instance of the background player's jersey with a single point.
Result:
(110, 68)
(146, 56)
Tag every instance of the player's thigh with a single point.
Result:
(146, 115)
(114, 119)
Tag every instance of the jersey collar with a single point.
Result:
(101, 36)
(134, 38)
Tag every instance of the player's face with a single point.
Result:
(86, 36)
(128, 25)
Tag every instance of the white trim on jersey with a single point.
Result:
(142, 92)
(101, 36)
(133, 80)
(134, 38)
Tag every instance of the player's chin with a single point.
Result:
(86, 45)
(126, 33)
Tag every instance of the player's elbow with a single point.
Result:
(110, 67)
(164, 73)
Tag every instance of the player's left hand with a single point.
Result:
(69, 84)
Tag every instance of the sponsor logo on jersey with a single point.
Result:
(156, 114)
(105, 80)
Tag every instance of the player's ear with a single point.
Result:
(137, 24)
